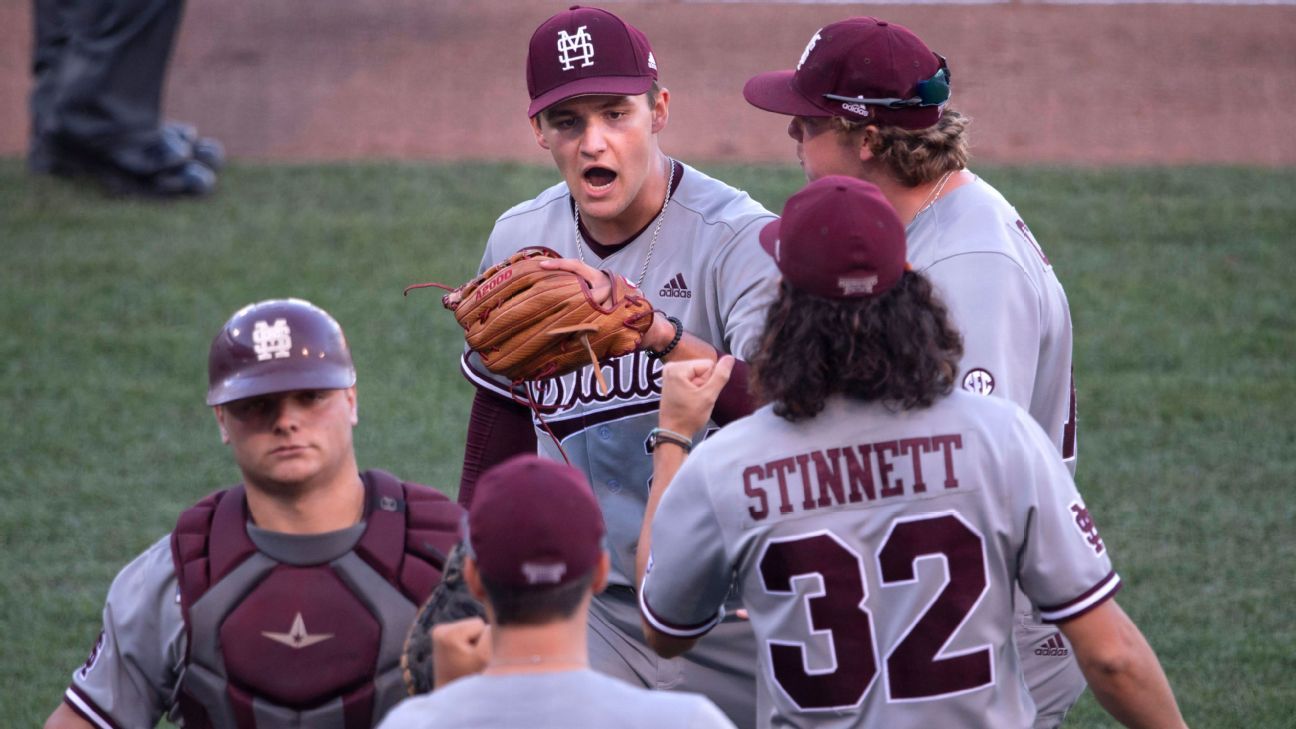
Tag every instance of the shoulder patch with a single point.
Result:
(979, 381)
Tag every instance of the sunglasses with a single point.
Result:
(931, 92)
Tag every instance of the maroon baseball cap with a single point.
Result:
(838, 238)
(859, 68)
(534, 523)
(584, 51)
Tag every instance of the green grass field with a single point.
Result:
(1181, 288)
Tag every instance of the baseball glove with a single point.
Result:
(529, 323)
(448, 602)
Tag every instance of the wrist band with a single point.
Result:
(657, 436)
(679, 334)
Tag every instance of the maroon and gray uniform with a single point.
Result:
(706, 269)
(1007, 302)
(226, 625)
(878, 553)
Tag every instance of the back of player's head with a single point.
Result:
(850, 317)
(861, 69)
(535, 533)
(586, 51)
(838, 238)
(277, 345)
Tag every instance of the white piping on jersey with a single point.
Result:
(671, 630)
(1102, 592)
(86, 709)
(480, 381)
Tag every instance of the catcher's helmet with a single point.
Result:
(276, 346)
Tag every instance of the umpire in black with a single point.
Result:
(98, 71)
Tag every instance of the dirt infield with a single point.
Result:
(414, 79)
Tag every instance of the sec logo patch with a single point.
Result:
(979, 381)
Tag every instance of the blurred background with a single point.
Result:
(372, 144)
(1089, 83)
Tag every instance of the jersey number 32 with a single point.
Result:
(915, 670)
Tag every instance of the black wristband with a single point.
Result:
(679, 334)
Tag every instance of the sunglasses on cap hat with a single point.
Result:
(931, 92)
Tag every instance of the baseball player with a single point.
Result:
(536, 557)
(869, 99)
(689, 242)
(283, 601)
(877, 517)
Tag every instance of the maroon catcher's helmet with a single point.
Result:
(277, 346)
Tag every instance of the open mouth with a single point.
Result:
(600, 178)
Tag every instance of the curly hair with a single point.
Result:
(916, 156)
(899, 348)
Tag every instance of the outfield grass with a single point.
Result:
(1180, 284)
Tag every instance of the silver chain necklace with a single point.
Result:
(580, 239)
(934, 196)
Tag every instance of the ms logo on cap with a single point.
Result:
(578, 47)
(272, 341)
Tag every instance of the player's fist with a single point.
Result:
(689, 392)
(460, 648)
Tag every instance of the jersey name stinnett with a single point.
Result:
(824, 478)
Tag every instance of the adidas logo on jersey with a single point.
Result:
(1052, 647)
(676, 288)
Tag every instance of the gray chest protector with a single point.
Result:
(287, 631)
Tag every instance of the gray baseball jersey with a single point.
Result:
(877, 553)
(558, 700)
(131, 673)
(1010, 307)
(706, 269)
(1007, 302)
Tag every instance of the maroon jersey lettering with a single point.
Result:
(947, 445)
(782, 467)
(884, 468)
(760, 510)
(917, 667)
(916, 446)
(837, 608)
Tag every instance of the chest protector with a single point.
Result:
(291, 631)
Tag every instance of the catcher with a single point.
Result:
(273, 603)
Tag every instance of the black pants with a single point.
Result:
(99, 67)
